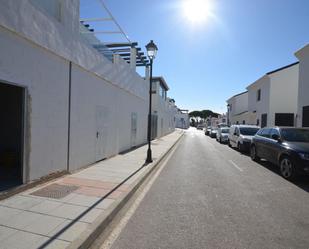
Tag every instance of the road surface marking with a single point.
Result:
(236, 166)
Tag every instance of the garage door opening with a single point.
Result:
(11, 135)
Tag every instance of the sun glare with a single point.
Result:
(197, 11)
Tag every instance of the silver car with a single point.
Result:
(223, 135)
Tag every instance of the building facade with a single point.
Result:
(64, 105)
(303, 89)
(272, 99)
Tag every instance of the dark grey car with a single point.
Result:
(286, 147)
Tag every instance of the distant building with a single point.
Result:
(182, 119)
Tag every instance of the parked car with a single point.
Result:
(208, 130)
(240, 136)
(200, 126)
(287, 148)
(222, 125)
(223, 134)
(213, 132)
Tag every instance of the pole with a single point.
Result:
(149, 154)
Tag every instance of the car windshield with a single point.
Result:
(295, 135)
(248, 131)
(225, 130)
(214, 129)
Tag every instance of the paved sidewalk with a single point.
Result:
(64, 212)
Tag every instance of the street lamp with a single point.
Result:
(151, 52)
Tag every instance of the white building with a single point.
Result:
(272, 99)
(238, 109)
(182, 119)
(64, 105)
(163, 109)
(303, 89)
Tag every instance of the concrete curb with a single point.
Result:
(91, 234)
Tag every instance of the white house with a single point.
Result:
(303, 88)
(182, 119)
(272, 99)
(238, 109)
(163, 109)
(64, 105)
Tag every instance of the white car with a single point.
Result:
(240, 136)
(223, 134)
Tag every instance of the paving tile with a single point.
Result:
(92, 215)
(6, 232)
(45, 206)
(23, 240)
(71, 233)
(89, 182)
(105, 204)
(22, 220)
(7, 213)
(20, 202)
(68, 211)
(83, 200)
(57, 244)
(44, 225)
(98, 192)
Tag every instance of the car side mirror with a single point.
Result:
(276, 137)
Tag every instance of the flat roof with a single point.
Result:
(162, 81)
(237, 95)
(282, 68)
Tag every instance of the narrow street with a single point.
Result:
(211, 196)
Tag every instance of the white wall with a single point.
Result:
(283, 92)
(36, 50)
(257, 108)
(89, 92)
(46, 77)
(239, 104)
(303, 90)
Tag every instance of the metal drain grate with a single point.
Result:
(55, 191)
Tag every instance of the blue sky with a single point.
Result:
(206, 63)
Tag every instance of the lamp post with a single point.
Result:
(228, 114)
(151, 53)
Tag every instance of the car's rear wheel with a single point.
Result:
(253, 154)
(287, 168)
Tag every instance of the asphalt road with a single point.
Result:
(211, 196)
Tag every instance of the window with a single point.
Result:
(257, 122)
(258, 95)
(265, 132)
(284, 119)
(264, 120)
(274, 132)
(243, 122)
(305, 116)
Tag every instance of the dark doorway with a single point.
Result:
(11, 135)
(264, 120)
(306, 116)
(284, 119)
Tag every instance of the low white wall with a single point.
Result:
(90, 92)
(46, 79)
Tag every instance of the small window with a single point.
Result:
(243, 122)
(258, 95)
(257, 122)
(284, 119)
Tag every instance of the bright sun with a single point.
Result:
(197, 10)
